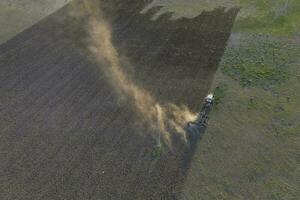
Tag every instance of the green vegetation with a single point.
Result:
(260, 61)
(219, 94)
(280, 17)
(276, 17)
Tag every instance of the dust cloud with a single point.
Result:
(166, 119)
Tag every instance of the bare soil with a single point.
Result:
(65, 134)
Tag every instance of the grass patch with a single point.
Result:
(280, 17)
(219, 94)
(256, 75)
(276, 17)
(260, 61)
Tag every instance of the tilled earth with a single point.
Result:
(64, 134)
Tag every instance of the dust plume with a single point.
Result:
(162, 118)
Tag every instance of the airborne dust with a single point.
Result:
(164, 119)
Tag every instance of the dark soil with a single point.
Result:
(63, 132)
